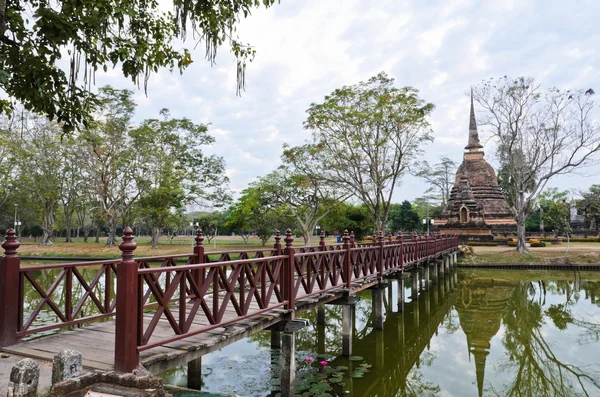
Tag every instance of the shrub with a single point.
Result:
(584, 240)
(512, 243)
(482, 243)
(534, 241)
(538, 244)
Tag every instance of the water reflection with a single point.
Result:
(492, 333)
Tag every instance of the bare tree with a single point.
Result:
(539, 134)
(440, 177)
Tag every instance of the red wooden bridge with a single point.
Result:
(170, 306)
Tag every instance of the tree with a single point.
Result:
(115, 167)
(211, 223)
(134, 34)
(253, 211)
(177, 170)
(299, 188)
(354, 218)
(590, 205)
(556, 212)
(440, 177)
(539, 135)
(40, 165)
(368, 135)
(403, 217)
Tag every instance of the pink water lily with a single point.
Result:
(323, 363)
(309, 359)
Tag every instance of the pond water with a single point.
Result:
(494, 333)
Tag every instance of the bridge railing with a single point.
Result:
(193, 292)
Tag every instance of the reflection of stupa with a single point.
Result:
(480, 306)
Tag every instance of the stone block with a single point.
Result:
(67, 364)
(24, 377)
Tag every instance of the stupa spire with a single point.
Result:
(474, 143)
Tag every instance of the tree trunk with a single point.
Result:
(77, 232)
(47, 225)
(68, 228)
(155, 236)
(521, 240)
(112, 232)
(97, 234)
(85, 235)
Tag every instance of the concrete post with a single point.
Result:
(441, 266)
(321, 314)
(436, 295)
(65, 365)
(435, 272)
(377, 296)
(194, 374)
(414, 275)
(288, 364)
(23, 380)
(426, 277)
(447, 264)
(320, 338)
(347, 329)
(400, 294)
(275, 338)
(427, 304)
(416, 309)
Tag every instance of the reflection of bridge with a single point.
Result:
(409, 334)
(189, 304)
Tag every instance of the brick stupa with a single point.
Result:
(476, 208)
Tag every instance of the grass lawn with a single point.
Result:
(578, 253)
(179, 245)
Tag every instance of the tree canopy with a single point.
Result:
(367, 136)
(134, 35)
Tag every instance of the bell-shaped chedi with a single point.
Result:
(476, 208)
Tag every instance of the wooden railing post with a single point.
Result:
(352, 240)
(288, 279)
(347, 263)
(198, 274)
(9, 290)
(127, 310)
(322, 244)
(380, 242)
(401, 241)
(277, 245)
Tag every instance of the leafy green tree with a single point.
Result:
(539, 134)
(346, 216)
(556, 211)
(367, 135)
(176, 169)
(255, 212)
(211, 223)
(134, 35)
(403, 217)
(590, 205)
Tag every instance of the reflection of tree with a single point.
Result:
(539, 371)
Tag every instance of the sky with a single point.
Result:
(308, 48)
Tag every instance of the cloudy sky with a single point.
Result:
(308, 48)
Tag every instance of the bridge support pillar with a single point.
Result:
(275, 338)
(194, 374)
(347, 329)
(321, 314)
(414, 275)
(440, 265)
(320, 338)
(377, 296)
(434, 269)
(447, 264)
(416, 309)
(288, 364)
(379, 351)
(455, 258)
(426, 277)
(400, 293)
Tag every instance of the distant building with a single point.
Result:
(476, 208)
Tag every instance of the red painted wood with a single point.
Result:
(9, 290)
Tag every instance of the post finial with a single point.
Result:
(199, 237)
(322, 239)
(10, 243)
(127, 246)
(289, 239)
